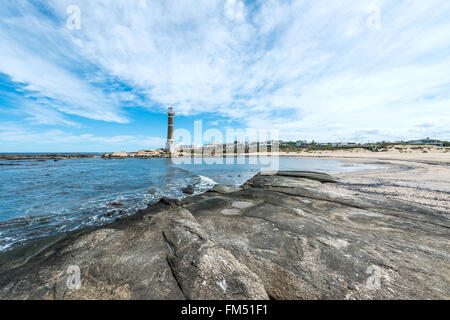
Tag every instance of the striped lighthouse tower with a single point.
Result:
(170, 144)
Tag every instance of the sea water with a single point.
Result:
(41, 198)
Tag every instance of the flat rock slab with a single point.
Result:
(290, 241)
(261, 181)
(319, 176)
(364, 213)
(222, 189)
(231, 212)
(242, 204)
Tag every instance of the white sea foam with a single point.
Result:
(206, 181)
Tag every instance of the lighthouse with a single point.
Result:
(170, 144)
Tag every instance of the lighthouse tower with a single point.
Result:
(170, 144)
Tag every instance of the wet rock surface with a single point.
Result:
(190, 189)
(280, 237)
(222, 189)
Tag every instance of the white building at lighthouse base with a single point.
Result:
(170, 145)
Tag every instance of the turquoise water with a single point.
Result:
(40, 198)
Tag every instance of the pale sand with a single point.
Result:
(398, 152)
(412, 176)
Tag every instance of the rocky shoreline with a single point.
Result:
(142, 154)
(286, 235)
(45, 157)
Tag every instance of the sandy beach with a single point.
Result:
(405, 173)
(426, 184)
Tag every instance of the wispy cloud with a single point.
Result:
(13, 136)
(313, 69)
(44, 115)
(38, 54)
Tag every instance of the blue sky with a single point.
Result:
(318, 69)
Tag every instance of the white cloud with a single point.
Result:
(13, 137)
(312, 68)
(36, 54)
(234, 10)
(47, 116)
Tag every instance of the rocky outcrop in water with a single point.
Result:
(45, 157)
(142, 154)
(189, 189)
(283, 236)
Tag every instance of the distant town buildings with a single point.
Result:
(254, 146)
(427, 142)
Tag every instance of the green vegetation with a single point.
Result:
(292, 147)
(314, 146)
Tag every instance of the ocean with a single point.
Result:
(41, 198)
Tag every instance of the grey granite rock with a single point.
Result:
(318, 176)
(188, 189)
(223, 189)
(280, 237)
